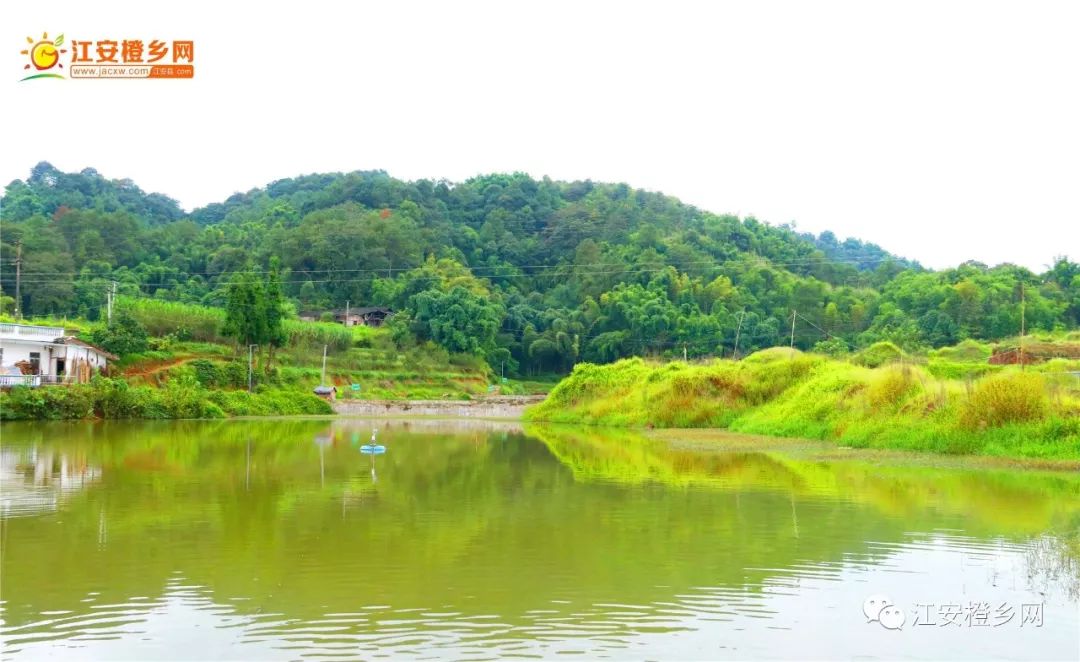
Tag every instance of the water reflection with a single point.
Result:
(280, 539)
(37, 481)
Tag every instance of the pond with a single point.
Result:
(280, 539)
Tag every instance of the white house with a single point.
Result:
(52, 356)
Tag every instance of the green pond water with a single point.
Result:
(281, 540)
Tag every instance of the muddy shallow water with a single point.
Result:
(281, 539)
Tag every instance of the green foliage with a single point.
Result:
(181, 397)
(878, 354)
(23, 402)
(213, 374)
(1007, 398)
(269, 403)
(888, 387)
(459, 320)
(179, 320)
(832, 347)
(781, 393)
(313, 335)
(124, 335)
(536, 275)
(246, 311)
(968, 351)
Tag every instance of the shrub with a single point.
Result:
(968, 351)
(184, 398)
(124, 335)
(832, 347)
(1005, 398)
(889, 386)
(207, 373)
(878, 354)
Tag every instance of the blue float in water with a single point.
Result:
(369, 449)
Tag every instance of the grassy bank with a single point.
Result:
(187, 369)
(1034, 413)
(180, 398)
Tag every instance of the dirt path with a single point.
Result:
(152, 367)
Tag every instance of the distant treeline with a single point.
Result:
(533, 274)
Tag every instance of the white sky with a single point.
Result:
(942, 131)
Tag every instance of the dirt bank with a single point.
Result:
(506, 406)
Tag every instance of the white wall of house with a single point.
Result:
(15, 350)
(22, 342)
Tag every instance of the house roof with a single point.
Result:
(374, 309)
(340, 312)
(72, 340)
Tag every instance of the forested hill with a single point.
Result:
(537, 273)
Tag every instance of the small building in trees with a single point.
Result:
(370, 316)
(367, 316)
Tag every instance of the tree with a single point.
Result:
(275, 314)
(124, 335)
(459, 320)
(245, 311)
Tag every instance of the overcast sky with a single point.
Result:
(941, 131)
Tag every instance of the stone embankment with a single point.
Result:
(505, 406)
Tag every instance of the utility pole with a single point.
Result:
(250, 369)
(735, 354)
(322, 380)
(18, 279)
(110, 297)
(793, 313)
(1023, 307)
(347, 312)
(684, 352)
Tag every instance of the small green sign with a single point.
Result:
(491, 388)
(356, 387)
(505, 380)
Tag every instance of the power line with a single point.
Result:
(763, 260)
(557, 272)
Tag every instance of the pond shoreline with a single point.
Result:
(507, 406)
(721, 440)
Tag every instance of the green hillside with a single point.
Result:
(532, 276)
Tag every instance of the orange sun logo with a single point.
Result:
(44, 54)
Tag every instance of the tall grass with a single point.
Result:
(1006, 398)
(785, 393)
(181, 320)
(313, 335)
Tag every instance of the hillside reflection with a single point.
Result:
(289, 519)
